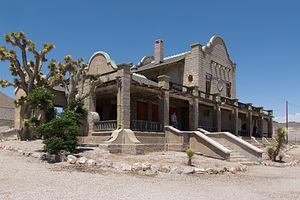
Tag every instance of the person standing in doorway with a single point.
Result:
(174, 121)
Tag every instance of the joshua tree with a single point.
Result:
(26, 67)
(72, 76)
(280, 141)
(190, 154)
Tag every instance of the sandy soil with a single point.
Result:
(28, 178)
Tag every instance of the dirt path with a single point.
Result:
(27, 178)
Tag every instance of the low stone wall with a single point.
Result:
(150, 137)
(206, 148)
(9, 134)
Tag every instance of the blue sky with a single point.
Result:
(262, 37)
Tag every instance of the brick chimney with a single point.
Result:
(158, 51)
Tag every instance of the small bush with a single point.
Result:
(281, 157)
(270, 152)
(62, 131)
(190, 154)
(54, 144)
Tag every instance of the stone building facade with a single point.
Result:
(131, 110)
(199, 86)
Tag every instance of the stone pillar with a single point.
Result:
(124, 96)
(164, 82)
(235, 121)
(194, 109)
(261, 122)
(249, 127)
(270, 123)
(217, 116)
(90, 105)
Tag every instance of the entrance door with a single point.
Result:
(142, 110)
(154, 112)
(185, 118)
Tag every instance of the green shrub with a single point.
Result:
(281, 157)
(54, 144)
(63, 129)
(270, 152)
(280, 141)
(41, 98)
(190, 154)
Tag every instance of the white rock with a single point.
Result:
(165, 169)
(200, 170)
(214, 171)
(71, 159)
(146, 166)
(125, 167)
(91, 162)
(176, 170)
(27, 154)
(241, 168)
(188, 170)
(82, 160)
(36, 155)
(102, 163)
(21, 152)
(137, 166)
(232, 170)
(154, 168)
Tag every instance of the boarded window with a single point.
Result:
(155, 112)
(208, 83)
(142, 110)
(228, 89)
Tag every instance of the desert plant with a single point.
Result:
(280, 157)
(190, 154)
(270, 152)
(63, 130)
(41, 99)
(53, 145)
(280, 141)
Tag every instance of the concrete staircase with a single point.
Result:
(241, 150)
(254, 142)
(236, 155)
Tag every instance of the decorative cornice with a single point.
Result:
(213, 42)
(108, 60)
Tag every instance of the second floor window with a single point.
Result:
(228, 89)
(208, 83)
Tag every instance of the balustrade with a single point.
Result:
(108, 125)
(139, 125)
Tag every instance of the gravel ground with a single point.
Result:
(28, 178)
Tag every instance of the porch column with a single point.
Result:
(270, 123)
(90, 105)
(217, 116)
(249, 120)
(261, 122)
(123, 97)
(194, 109)
(164, 82)
(235, 121)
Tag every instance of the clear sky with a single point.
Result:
(262, 37)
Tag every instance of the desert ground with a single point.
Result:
(24, 177)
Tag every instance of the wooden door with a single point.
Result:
(142, 110)
(155, 112)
